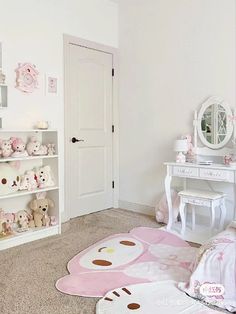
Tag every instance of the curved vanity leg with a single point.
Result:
(182, 216)
(212, 217)
(222, 214)
(168, 197)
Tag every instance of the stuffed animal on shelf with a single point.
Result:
(2, 222)
(6, 148)
(9, 177)
(45, 177)
(22, 219)
(53, 220)
(18, 146)
(35, 148)
(162, 212)
(9, 221)
(28, 181)
(40, 207)
(51, 149)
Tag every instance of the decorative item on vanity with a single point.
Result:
(42, 125)
(40, 207)
(18, 146)
(181, 147)
(9, 177)
(44, 177)
(35, 148)
(190, 156)
(28, 181)
(162, 212)
(6, 148)
(26, 77)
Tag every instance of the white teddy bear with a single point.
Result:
(35, 148)
(45, 177)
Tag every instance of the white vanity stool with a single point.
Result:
(208, 199)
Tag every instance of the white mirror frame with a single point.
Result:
(230, 125)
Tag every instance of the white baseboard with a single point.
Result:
(138, 208)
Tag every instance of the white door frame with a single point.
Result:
(67, 39)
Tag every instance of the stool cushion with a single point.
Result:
(202, 194)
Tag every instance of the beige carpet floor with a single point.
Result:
(28, 273)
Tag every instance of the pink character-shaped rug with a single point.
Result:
(142, 255)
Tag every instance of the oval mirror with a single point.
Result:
(215, 125)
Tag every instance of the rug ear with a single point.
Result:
(94, 284)
(154, 235)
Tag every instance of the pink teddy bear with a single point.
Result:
(9, 219)
(6, 148)
(18, 147)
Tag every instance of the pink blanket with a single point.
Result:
(214, 272)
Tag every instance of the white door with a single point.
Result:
(88, 124)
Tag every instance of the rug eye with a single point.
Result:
(101, 262)
(127, 243)
(4, 181)
(133, 306)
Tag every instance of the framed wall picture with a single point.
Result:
(51, 84)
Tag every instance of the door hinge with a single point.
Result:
(113, 72)
(113, 129)
(113, 184)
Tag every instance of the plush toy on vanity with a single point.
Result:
(9, 177)
(40, 207)
(18, 146)
(28, 181)
(35, 148)
(6, 148)
(45, 177)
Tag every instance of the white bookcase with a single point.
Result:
(19, 200)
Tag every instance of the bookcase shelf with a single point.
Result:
(19, 200)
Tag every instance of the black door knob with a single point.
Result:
(74, 140)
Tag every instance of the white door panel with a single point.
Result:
(89, 117)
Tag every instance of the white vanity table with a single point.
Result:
(214, 146)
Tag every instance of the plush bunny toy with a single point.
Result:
(162, 213)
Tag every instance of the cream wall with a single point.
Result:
(173, 54)
(32, 31)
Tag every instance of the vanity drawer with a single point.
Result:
(215, 174)
(184, 171)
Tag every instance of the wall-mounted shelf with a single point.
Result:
(19, 200)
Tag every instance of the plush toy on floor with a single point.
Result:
(18, 146)
(162, 212)
(40, 207)
(5, 148)
(35, 148)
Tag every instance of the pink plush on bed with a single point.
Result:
(215, 264)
